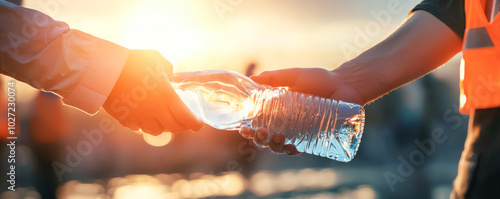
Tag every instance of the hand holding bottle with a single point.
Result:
(230, 101)
(276, 143)
(143, 98)
(315, 81)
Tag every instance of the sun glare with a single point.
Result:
(160, 140)
(171, 35)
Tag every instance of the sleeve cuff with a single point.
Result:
(453, 24)
(99, 78)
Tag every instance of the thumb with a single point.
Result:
(181, 112)
(284, 77)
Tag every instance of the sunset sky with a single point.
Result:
(231, 33)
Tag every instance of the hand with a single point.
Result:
(143, 99)
(315, 81)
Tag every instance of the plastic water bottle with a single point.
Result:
(227, 100)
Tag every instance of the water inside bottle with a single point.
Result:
(318, 126)
(227, 100)
(216, 113)
(314, 125)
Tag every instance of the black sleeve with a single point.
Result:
(450, 12)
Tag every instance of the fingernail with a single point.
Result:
(261, 134)
(277, 139)
(246, 131)
(245, 135)
(287, 149)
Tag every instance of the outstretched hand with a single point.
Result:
(143, 99)
(315, 81)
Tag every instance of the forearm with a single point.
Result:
(419, 46)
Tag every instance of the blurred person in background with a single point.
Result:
(435, 31)
(89, 72)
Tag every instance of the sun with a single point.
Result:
(171, 35)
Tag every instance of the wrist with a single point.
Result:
(362, 80)
(120, 84)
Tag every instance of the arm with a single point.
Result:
(419, 46)
(50, 56)
(88, 72)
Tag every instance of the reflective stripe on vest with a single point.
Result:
(477, 38)
(480, 72)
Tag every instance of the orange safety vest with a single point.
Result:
(480, 70)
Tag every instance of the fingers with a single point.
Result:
(155, 123)
(176, 116)
(157, 130)
(276, 143)
(261, 138)
(182, 114)
(291, 150)
(169, 122)
(277, 78)
(132, 127)
(152, 127)
(247, 132)
(161, 109)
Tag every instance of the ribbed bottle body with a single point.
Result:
(314, 125)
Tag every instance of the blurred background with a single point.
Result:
(64, 153)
